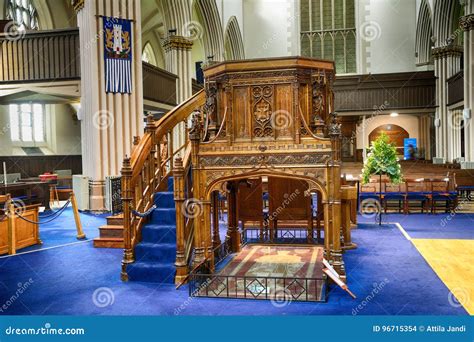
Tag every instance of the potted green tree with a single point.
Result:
(382, 160)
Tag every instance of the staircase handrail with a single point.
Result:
(147, 170)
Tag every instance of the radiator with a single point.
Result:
(80, 186)
(467, 165)
(438, 160)
(113, 194)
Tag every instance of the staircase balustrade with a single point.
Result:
(148, 168)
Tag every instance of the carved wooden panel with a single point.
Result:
(283, 117)
(262, 108)
(241, 112)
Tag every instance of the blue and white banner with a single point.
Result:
(118, 55)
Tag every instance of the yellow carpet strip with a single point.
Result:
(453, 262)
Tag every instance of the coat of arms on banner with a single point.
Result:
(118, 55)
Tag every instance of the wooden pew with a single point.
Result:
(288, 202)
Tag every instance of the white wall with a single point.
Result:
(386, 36)
(270, 27)
(67, 129)
(408, 122)
(229, 8)
(63, 133)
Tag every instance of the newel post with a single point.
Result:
(127, 218)
(179, 198)
(334, 132)
(150, 129)
(195, 134)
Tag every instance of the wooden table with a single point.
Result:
(28, 189)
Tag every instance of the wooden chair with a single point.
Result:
(442, 192)
(366, 192)
(250, 204)
(416, 192)
(393, 193)
(289, 202)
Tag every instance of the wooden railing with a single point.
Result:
(40, 56)
(37, 56)
(158, 85)
(148, 168)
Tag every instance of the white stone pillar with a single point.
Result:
(446, 65)
(364, 139)
(178, 62)
(466, 23)
(108, 121)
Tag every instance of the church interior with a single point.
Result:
(236, 157)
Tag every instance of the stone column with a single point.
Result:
(466, 23)
(455, 119)
(425, 131)
(447, 63)
(178, 61)
(364, 134)
(108, 121)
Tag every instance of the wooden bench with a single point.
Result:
(288, 201)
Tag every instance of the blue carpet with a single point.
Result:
(386, 272)
(156, 253)
(437, 226)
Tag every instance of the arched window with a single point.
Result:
(148, 55)
(328, 31)
(23, 13)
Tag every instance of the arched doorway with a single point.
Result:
(395, 133)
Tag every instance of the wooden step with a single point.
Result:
(108, 243)
(115, 220)
(111, 231)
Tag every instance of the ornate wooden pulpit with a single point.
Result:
(271, 118)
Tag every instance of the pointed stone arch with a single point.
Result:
(176, 15)
(233, 42)
(424, 32)
(148, 54)
(212, 33)
(445, 20)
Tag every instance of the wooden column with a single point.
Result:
(11, 227)
(335, 212)
(198, 191)
(334, 194)
(127, 196)
(348, 194)
(232, 219)
(216, 239)
(179, 197)
(206, 232)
